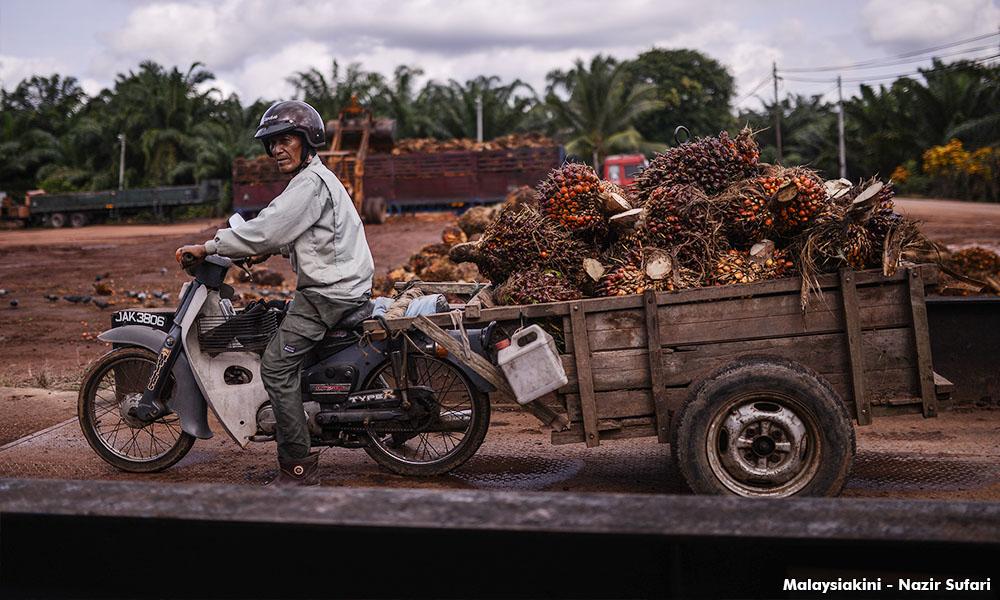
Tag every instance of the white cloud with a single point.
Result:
(90, 86)
(264, 76)
(922, 22)
(253, 45)
(218, 34)
(14, 69)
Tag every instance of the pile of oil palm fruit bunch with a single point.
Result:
(977, 267)
(704, 213)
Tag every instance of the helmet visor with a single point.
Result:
(273, 129)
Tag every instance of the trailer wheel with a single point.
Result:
(764, 427)
(374, 210)
(57, 220)
(78, 219)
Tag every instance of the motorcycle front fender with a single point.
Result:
(187, 400)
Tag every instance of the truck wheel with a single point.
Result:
(764, 427)
(375, 210)
(78, 219)
(57, 220)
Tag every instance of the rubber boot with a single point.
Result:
(297, 471)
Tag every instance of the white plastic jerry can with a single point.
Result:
(531, 364)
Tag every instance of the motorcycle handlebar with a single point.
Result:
(188, 260)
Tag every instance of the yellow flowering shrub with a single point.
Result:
(952, 159)
(900, 174)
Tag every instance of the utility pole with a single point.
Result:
(479, 118)
(777, 111)
(121, 163)
(840, 130)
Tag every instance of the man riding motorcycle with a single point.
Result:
(314, 223)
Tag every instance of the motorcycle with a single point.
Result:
(403, 399)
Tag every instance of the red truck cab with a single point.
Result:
(623, 168)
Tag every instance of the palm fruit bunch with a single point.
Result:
(637, 268)
(535, 286)
(779, 264)
(798, 197)
(426, 256)
(622, 280)
(570, 196)
(884, 216)
(519, 239)
(735, 266)
(711, 163)
(748, 211)
(975, 262)
(859, 246)
(762, 262)
(856, 229)
(683, 219)
(672, 214)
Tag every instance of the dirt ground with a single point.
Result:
(47, 344)
(957, 224)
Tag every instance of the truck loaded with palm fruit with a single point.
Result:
(382, 174)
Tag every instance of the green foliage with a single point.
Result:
(891, 126)
(595, 107)
(180, 130)
(694, 89)
(328, 94)
(809, 133)
(505, 107)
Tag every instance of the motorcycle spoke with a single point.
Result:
(452, 399)
(119, 381)
(115, 432)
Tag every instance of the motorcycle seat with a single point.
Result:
(353, 319)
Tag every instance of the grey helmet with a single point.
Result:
(292, 115)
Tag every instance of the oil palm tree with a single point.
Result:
(328, 93)
(595, 108)
(451, 108)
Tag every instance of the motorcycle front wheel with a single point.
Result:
(111, 386)
(452, 438)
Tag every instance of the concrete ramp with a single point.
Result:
(122, 539)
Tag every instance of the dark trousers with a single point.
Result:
(306, 323)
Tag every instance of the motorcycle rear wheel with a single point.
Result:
(430, 452)
(109, 386)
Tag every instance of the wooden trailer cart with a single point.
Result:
(755, 394)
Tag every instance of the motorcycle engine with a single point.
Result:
(329, 384)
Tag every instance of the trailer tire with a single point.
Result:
(764, 427)
(374, 210)
(57, 220)
(78, 219)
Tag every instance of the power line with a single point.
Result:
(762, 83)
(873, 61)
(954, 62)
(909, 60)
(953, 65)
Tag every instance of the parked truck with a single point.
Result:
(80, 208)
(381, 176)
(412, 181)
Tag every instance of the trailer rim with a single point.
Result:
(768, 425)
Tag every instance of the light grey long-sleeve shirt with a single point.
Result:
(315, 224)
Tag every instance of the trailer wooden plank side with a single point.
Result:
(634, 363)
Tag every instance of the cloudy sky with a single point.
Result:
(252, 45)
